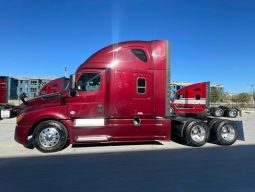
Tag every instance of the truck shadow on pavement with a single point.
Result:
(190, 169)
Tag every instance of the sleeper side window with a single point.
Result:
(89, 82)
(141, 85)
(140, 54)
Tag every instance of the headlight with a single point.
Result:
(20, 117)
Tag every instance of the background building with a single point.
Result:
(29, 85)
(175, 86)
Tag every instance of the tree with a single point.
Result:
(242, 98)
(234, 98)
(216, 95)
(226, 97)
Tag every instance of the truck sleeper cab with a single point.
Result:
(194, 100)
(117, 95)
(54, 86)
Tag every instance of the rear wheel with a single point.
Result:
(232, 113)
(217, 112)
(50, 136)
(196, 133)
(225, 132)
(211, 124)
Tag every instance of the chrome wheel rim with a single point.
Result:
(49, 137)
(228, 132)
(232, 113)
(218, 112)
(198, 133)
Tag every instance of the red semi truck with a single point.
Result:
(194, 100)
(6, 110)
(119, 94)
(54, 86)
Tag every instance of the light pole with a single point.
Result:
(65, 69)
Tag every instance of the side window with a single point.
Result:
(141, 85)
(140, 54)
(89, 82)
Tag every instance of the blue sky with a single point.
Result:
(211, 40)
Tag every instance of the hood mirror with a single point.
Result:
(22, 98)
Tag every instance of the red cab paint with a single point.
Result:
(6, 110)
(3, 90)
(192, 99)
(54, 86)
(120, 96)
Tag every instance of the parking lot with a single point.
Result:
(144, 167)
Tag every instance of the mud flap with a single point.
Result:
(239, 125)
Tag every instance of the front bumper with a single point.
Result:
(22, 133)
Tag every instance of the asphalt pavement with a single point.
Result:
(145, 167)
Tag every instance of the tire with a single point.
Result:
(232, 113)
(196, 133)
(211, 123)
(225, 132)
(218, 112)
(50, 136)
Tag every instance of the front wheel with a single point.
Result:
(50, 136)
(196, 133)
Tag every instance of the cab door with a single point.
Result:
(89, 102)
